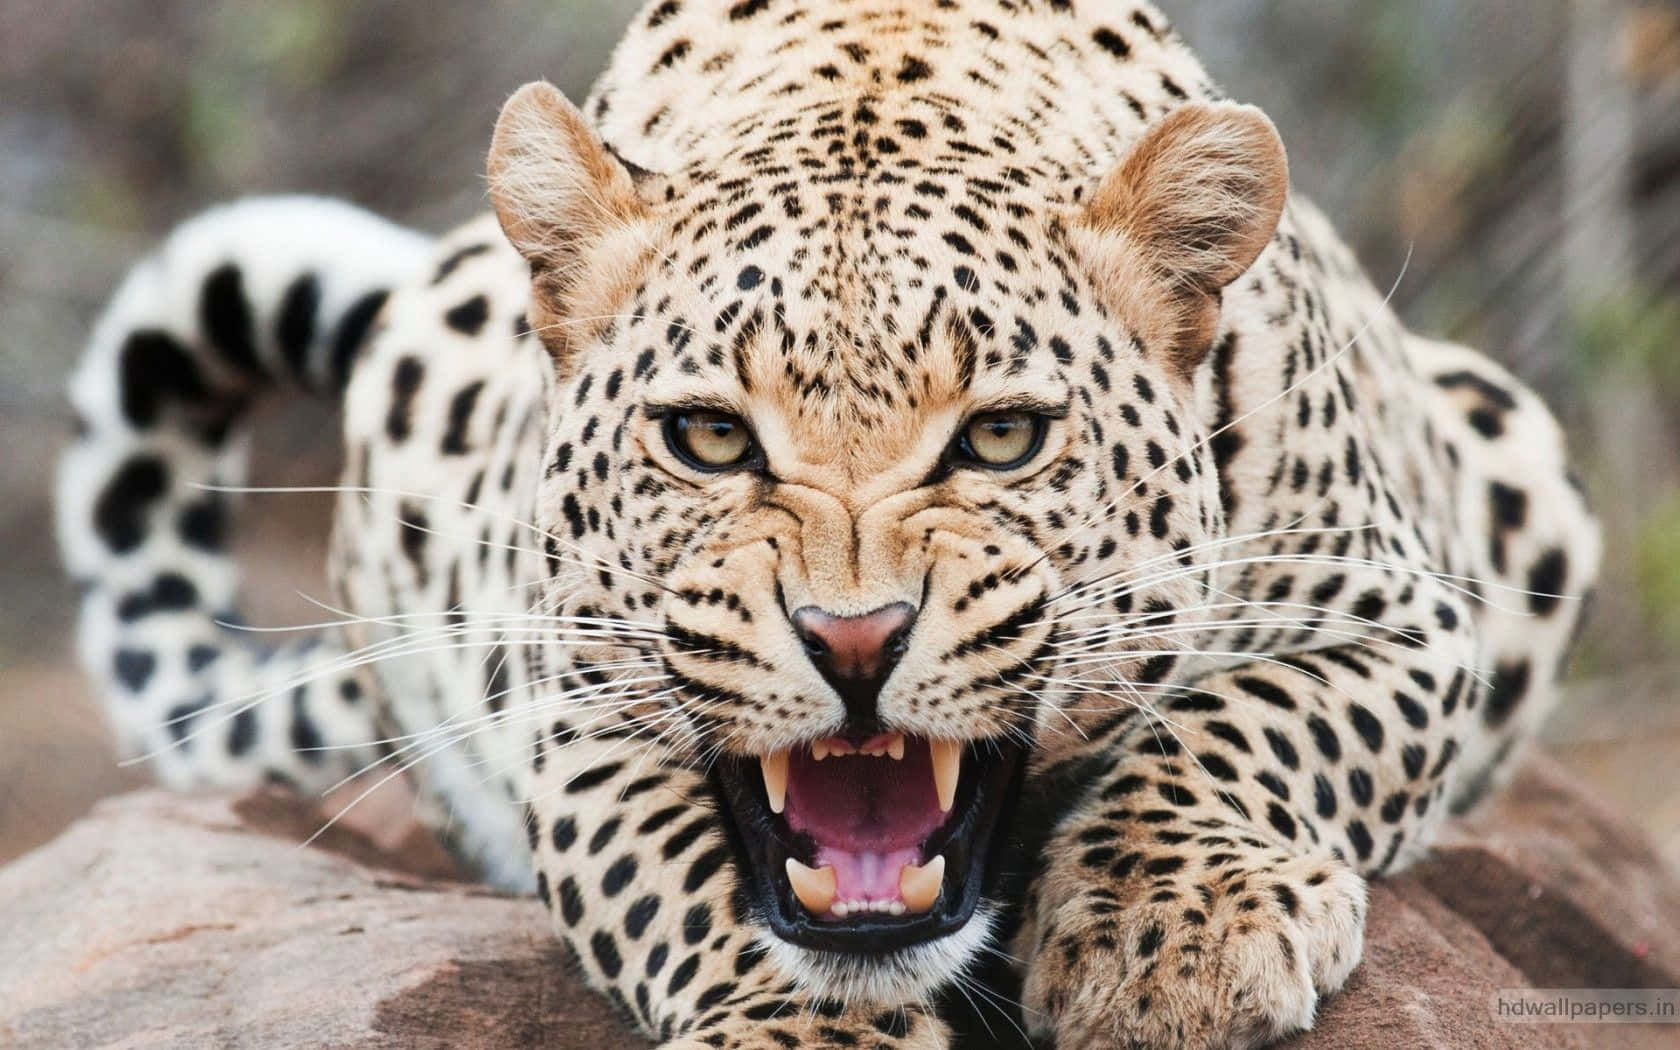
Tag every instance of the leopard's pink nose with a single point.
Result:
(856, 654)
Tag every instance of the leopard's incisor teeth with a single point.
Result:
(895, 747)
(815, 887)
(775, 768)
(819, 750)
(919, 887)
(947, 768)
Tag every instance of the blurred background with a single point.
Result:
(1514, 163)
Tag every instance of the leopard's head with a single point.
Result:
(893, 449)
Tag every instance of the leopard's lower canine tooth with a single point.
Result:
(815, 887)
(775, 768)
(947, 768)
(919, 887)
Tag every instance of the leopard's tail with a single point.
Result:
(242, 301)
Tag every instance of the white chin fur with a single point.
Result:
(907, 975)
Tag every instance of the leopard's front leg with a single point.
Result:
(633, 864)
(1210, 887)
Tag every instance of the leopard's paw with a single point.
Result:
(1231, 960)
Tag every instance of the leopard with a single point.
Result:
(899, 526)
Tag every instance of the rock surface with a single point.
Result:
(163, 921)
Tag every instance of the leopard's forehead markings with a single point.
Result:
(860, 211)
(878, 293)
(858, 205)
(869, 349)
(881, 177)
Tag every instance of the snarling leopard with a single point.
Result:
(900, 506)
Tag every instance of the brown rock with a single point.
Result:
(163, 921)
(1544, 888)
(1426, 982)
(1570, 892)
(167, 921)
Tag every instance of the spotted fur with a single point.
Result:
(1286, 584)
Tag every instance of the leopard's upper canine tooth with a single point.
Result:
(775, 769)
(947, 768)
(815, 887)
(895, 747)
(919, 887)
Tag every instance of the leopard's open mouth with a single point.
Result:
(873, 845)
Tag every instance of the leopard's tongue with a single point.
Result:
(867, 817)
(866, 881)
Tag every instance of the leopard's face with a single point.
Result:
(905, 498)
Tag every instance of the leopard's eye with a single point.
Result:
(709, 441)
(1002, 440)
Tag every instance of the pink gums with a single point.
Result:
(868, 816)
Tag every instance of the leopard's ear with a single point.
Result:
(569, 206)
(1185, 213)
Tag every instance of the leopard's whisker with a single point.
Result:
(399, 770)
(614, 694)
(1126, 584)
(406, 647)
(398, 647)
(450, 732)
(630, 731)
(1096, 639)
(1365, 640)
(1463, 585)
(592, 562)
(1019, 734)
(565, 322)
(1156, 718)
(1209, 545)
(965, 983)
(454, 721)
(448, 735)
